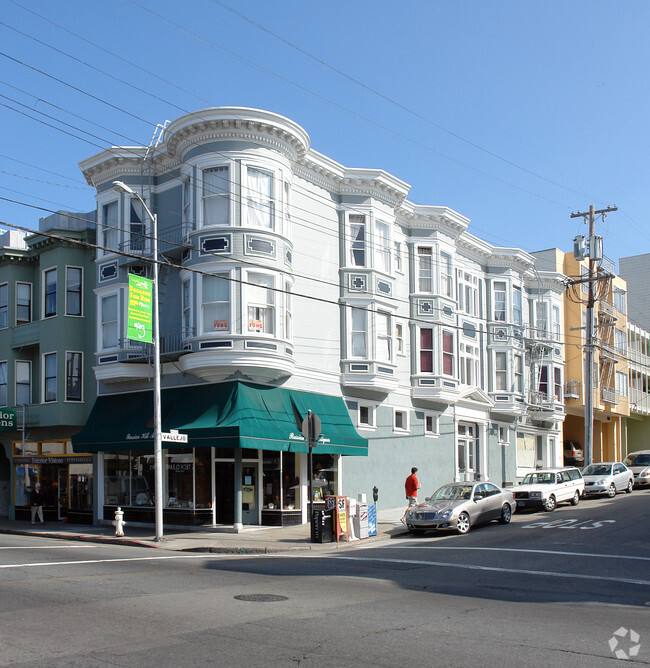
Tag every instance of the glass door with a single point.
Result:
(250, 508)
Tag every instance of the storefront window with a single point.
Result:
(290, 482)
(52, 448)
(324, 482)
(179, 467)
(24, 480)
(81, 487)
(203, 480)
(272, 476)
(116, 478)
(143, 483)
(26, 449)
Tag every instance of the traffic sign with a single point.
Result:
(174, 437)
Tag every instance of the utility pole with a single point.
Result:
(595, 243)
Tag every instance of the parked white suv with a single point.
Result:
(548, 487)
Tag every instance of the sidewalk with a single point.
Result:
(252, 540)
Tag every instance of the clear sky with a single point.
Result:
(513, 113)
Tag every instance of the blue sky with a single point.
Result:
(513, 113)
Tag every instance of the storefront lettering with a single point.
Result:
(296, 437)
(145, 435)
(85, 459)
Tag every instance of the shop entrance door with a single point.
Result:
(250, 514)
(62, 480)
(224, 493)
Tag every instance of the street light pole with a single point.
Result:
(121, 187)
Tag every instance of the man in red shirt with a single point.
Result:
(411, 487)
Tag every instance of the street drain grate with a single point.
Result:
(261, 598)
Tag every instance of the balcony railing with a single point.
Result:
(608, 395)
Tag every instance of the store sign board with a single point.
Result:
(139, 324)
(7, 419)
(81, 459)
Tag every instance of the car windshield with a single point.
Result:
(539, 478)
(452, 493)
(597, 469)
(641, 459)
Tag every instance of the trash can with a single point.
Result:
(322, 528)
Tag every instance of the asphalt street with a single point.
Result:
(568, 588)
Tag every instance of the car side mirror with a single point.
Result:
(428, 498)
(478, 497)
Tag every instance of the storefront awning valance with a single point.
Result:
(225, 415)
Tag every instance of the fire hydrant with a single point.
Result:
(119, 522)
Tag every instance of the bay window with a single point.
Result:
(215, 303)
(447, 353)
(110, 226)
(426, 350)
(425, 269)
(49, 294)
(216, 196)
(73, 376)
(446, 277)
(384, 344)
(261, 206)
(358, 241)
(500, 301)
(3, 384)
(186, 309)
(359, 333)
(109, 325)
(501, 372)
(23, 383)
(382, 247)
(261, 304)
(23, 303)
(49, 377)
(73, 290)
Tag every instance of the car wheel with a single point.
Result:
(551, 504)
(611, 492)
(463, 525)
(630, 485)
(576, 499)
(506, 514)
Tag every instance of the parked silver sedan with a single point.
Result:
(607, 478)
(458, 506)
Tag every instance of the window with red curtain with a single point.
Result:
(426, 350)
(448, 353)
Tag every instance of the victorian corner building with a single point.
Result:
(288, 283)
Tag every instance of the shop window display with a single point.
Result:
(281, 482)
(324, 481)
(179, 468)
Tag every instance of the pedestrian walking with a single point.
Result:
(411, 487)
(36, 502)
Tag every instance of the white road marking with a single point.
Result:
(47, 547)
(108, 561)
(514, 549)
(496, 569)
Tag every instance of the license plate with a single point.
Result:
(520, 503)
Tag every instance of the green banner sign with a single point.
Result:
(139, 325)
(7, 419)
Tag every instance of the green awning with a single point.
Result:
(224, 415)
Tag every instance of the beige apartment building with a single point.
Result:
(610, 374)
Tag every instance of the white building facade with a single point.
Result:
(288, 283)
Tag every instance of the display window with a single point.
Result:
(281, 481)
(66, 479)
(325, 476)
